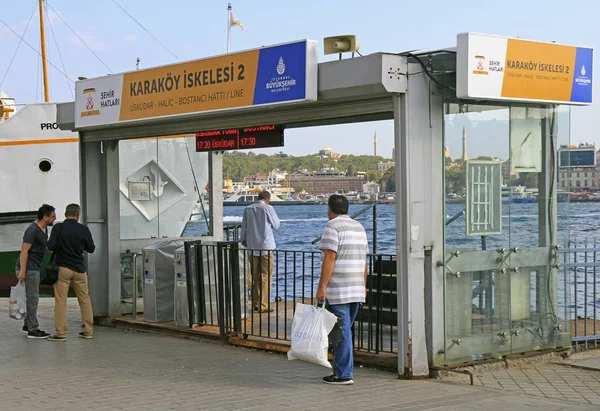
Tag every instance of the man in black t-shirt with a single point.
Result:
(29, 263)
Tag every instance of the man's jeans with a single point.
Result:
(32, 289)
(343, 356)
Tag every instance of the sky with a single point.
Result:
(193, 29)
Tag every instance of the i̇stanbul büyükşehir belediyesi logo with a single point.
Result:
(280, 82)
(280, 66)
(582, 79)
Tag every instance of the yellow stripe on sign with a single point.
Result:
(212, 84)
(538, 71)
(44, 141)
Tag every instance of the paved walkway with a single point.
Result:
(132, 370)
(588, 360)
(556, 381)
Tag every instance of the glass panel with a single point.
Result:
(535, 302)
(160, 182)
(477, 287)
(178, 185)
(138, 219)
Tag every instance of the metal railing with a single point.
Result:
(220, 283)
(581, 261)
(219, 292)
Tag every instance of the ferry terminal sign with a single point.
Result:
(500, 68)
(277, 74)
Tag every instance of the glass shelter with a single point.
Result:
(505, 220)
(479, 212)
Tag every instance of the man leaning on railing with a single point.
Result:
(343, 280)
(258, 223)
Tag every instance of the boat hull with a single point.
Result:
(41, 165)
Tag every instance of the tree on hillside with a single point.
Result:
(374, 175)
(239, 164)
(388, 180)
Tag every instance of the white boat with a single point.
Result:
(246, 198)
(39, 163)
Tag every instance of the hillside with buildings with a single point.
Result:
(578, 175)
(367, 177)
(319, 174)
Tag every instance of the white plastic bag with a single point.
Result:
(310, 328)
(17, 304)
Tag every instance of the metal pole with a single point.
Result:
(403, 237)
(44, 58)
(375, 229)
(135, 285)
(228, 28)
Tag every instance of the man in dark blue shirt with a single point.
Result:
(29, 263)
(69, 240)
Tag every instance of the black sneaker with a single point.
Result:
(84, 335)
(332, 379)
(37, 334)
(25, 330)
(57, 338)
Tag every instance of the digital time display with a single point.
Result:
(240, 138)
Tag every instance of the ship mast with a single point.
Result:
(44, 61)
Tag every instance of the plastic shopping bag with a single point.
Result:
(17, 307)
(310, 328)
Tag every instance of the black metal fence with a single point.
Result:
(220, 282)
(227, 303)
(581, 261)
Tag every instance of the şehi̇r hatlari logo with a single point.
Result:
(481, 66)
(583, 79)
(90, 103)
(280, 82)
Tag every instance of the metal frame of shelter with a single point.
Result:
(375, 87)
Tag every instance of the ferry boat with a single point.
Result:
(39, 163)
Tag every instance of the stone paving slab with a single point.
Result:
(141, 371)
(550, 380)
(588, 360)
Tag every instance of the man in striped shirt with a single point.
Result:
(343, 280)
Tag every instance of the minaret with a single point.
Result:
(375, 144)
(465, 156)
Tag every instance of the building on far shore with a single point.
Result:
(327, 152)
(383, 167)
(578, 167)
(326, 181)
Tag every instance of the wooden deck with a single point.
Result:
(274, 330)
(276, 326)
(585, 327)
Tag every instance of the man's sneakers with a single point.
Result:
(84, 335)
(37, 334)
(25, 330)
(332, 379)
(56, 338)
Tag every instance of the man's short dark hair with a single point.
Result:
(264, 195)
(72, 210)
(45, 210)
(338, 204)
